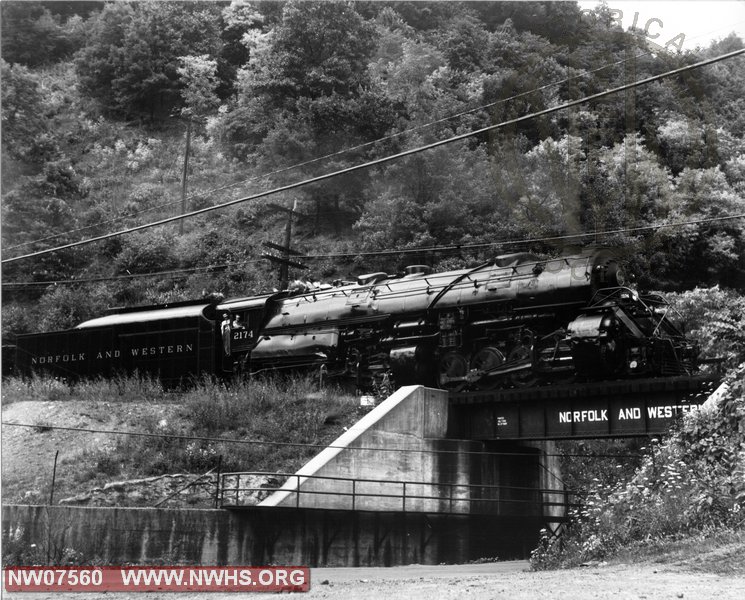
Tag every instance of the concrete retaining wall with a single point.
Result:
(256, 536)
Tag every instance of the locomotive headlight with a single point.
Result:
(606, 324)
(608, 274)
(614, 275)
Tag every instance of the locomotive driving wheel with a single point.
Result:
(527, 377)
(486, 359)
(452, 370)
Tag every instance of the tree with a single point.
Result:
(558, 22)
(708, 252)
(443, 197)
(715, 318)
(239, 18)
(307, 72)
(466, 43)
(319, 49)
(63, 307)
(306, 92)
(687, 143)
(518, 68)
(549, 182)
(199, 79)
(22, 103)
(130, 63)
(406, 74)
(146, 252)
(34, 36)
(44, 208)
(624, 186)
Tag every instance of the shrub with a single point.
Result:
(693, 481)
(146, 252)
(715, 317)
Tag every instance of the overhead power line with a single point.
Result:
(176, 436)
(388, 159)
(535, 240)
(341, 152)
(372, 253)
(172, 272)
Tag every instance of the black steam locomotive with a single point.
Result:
(518, 320)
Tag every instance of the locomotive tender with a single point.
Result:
(518, 320)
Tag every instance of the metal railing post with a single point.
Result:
(217, 481)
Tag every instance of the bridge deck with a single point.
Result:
(625, 408)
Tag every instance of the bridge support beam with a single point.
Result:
(591, 410)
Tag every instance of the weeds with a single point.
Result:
(694, 481)
(51, 533)
(277, 424)
(40, 388)
(291, 412)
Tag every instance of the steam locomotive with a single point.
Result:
(517, 320)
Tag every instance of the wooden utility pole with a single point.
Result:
(183, 176)
(284, 268)
(284, 261)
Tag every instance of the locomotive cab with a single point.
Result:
(239, 323)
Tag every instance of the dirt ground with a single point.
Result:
(28, 453)
(505, 580)
(513, 581)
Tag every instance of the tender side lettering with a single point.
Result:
(158, 350)
(57, 358)
(111, 354)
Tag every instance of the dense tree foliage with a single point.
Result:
(131, 59)
(94, 95)
(41, 33)
(21, 101)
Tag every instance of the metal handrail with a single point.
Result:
(279, 474)
(404, 496)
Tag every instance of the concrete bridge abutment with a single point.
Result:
(394, 489)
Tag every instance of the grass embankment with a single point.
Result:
(686, 497)
(277, 425)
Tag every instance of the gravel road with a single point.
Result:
(506, 580)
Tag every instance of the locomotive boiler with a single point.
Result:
(517, 320)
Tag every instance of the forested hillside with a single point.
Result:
(97, 98)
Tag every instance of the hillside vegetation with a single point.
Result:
(96, 99)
